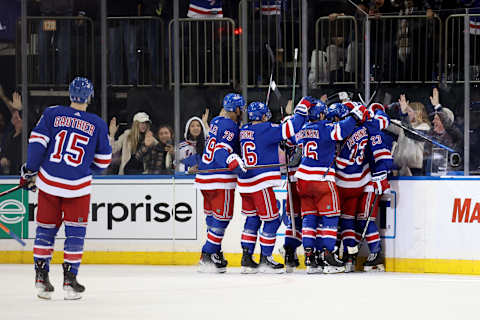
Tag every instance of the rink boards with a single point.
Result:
(427, 224)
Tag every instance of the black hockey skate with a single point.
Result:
(73, 289)
(374, 263)
(212, 262)
(42, 281)
(291, 259)
(332, 263)
(311, 261)
(268, 265)
(248, 264)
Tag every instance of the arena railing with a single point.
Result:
(136, 51)
(335, 57)
(207, 52)
(280, 26)
(455, 46)
(406, 49)
(58, 49)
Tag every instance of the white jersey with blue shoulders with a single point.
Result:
(65, 147)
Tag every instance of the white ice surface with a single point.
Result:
(157, 292)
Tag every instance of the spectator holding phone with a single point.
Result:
(158, 158)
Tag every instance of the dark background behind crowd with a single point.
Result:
(137, 85)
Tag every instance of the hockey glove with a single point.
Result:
(296, 157)
(304, 105)
(234, 162)
(27, 178)
(360, 113)
(377, 107)
(380, 182)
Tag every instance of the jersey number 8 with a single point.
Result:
(74, 151)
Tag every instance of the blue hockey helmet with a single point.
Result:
(81, 89)
(337, 110)
(232, 101)
(256, 110)
(316, 110)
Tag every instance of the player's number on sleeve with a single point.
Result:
(249, 154)
(74, 151)
(376, 139)
(209, 151)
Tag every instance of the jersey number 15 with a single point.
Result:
(74, 152)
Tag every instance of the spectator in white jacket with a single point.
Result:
(191, 149)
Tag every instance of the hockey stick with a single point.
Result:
(289, 183)
(355, 250)
(10, 190)
(426, 138)
(370, 100)
(261, 166)
(272, 62)
(336, 97)
(295, 60)
(12, 234)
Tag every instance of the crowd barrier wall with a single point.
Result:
(427, 224)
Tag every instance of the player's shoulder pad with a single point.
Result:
(215, 120)
(99, 121)
(49, 113)
(51, 109)
(229, 124)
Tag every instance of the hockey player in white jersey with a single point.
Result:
(65, 146)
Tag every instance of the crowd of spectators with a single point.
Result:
(147, 148)
(11, 127)
(412, 154)
(141, 149)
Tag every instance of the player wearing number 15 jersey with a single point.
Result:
(218, 188)
(64, 148)
(259, 141)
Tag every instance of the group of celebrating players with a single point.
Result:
(333, 190)
(345, 158)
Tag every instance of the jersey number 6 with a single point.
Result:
(74, 151)
(249, 154)
(309, 150)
